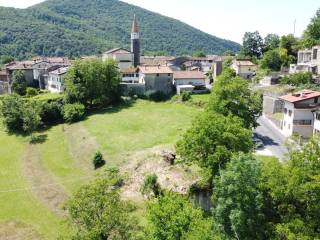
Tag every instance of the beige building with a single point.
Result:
(244, 68)
(299, 117)
(156, 78)
(122, 56)
(308, 61)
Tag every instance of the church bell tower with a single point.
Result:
(135, 42)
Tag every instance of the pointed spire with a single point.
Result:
(135, 28)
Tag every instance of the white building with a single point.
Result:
(54, 81)
(189, 81)
(308, 61)
(299, 109)
(244, 68)
(122, 56)
(316, 125)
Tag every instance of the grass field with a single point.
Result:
(34, 179)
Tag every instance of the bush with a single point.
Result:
(52, 111)
(31, 92)
(298, 79)
(185, 96)
(98, 160)
(151, 186)
(156, 96)
(73, 112)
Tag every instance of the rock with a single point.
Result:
(169, 157)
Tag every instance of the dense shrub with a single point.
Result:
(298, 79)
(156, 96)
(73, 112)
(52, 111)
(98, 160)
(150, 186)
(11, 109)
(185, 96)
(31, 92)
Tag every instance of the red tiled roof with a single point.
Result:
(300, 96)
(188, 75)
(155, 69)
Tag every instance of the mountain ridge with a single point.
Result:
(83, 27)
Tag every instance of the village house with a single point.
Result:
(156, 78)
(299, 113)
(122, 56)
(54, 80)
(189, 81)
(244, 68)
(308, 61)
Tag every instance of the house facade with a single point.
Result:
(308, 61)
(156, 78)
(299, 113)
(122, 56)
(54, 81)
(244, 68)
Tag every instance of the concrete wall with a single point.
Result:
(161, 82)
(132, 89)
(272, 105)
(193, 82)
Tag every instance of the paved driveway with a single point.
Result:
(273, 140)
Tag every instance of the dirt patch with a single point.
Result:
(176, 178)
(43, 186)
(81, 144)
(13, 230)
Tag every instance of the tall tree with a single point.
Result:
(212, 140)
(289, 42)
(173, 217)
(96, 211)
(271, 42)
(93, 82)
(252, 44)
(19, 84)
(311, 35)
(271, 60)
(232, 95)
(238, 200)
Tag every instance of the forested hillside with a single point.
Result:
(85, 27)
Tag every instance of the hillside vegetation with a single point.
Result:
(73, 27)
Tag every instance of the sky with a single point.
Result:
(228, 19)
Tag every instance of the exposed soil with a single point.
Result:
(176, 178)
(17, 231)
(43, 185)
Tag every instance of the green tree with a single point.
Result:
(31, 117)
(295, 189)
(238, 200)
(6, 59)
(311, 35)
(96, 211)
(199, 54)
(271, 60)
(93, 82)
(289, 42)
(252, 44)
(232, 95)
(151, 187)
(212, 140)
(173, 217)
(19, 84)
(271, 42)
(11, 108)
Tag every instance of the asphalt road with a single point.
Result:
(273, 140)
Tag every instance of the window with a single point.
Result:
(290, 113)
(315, 54)
(285, 110)
(316, 100)
(302, 122)
(318, 116)
(169, 74)
(158, 74)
